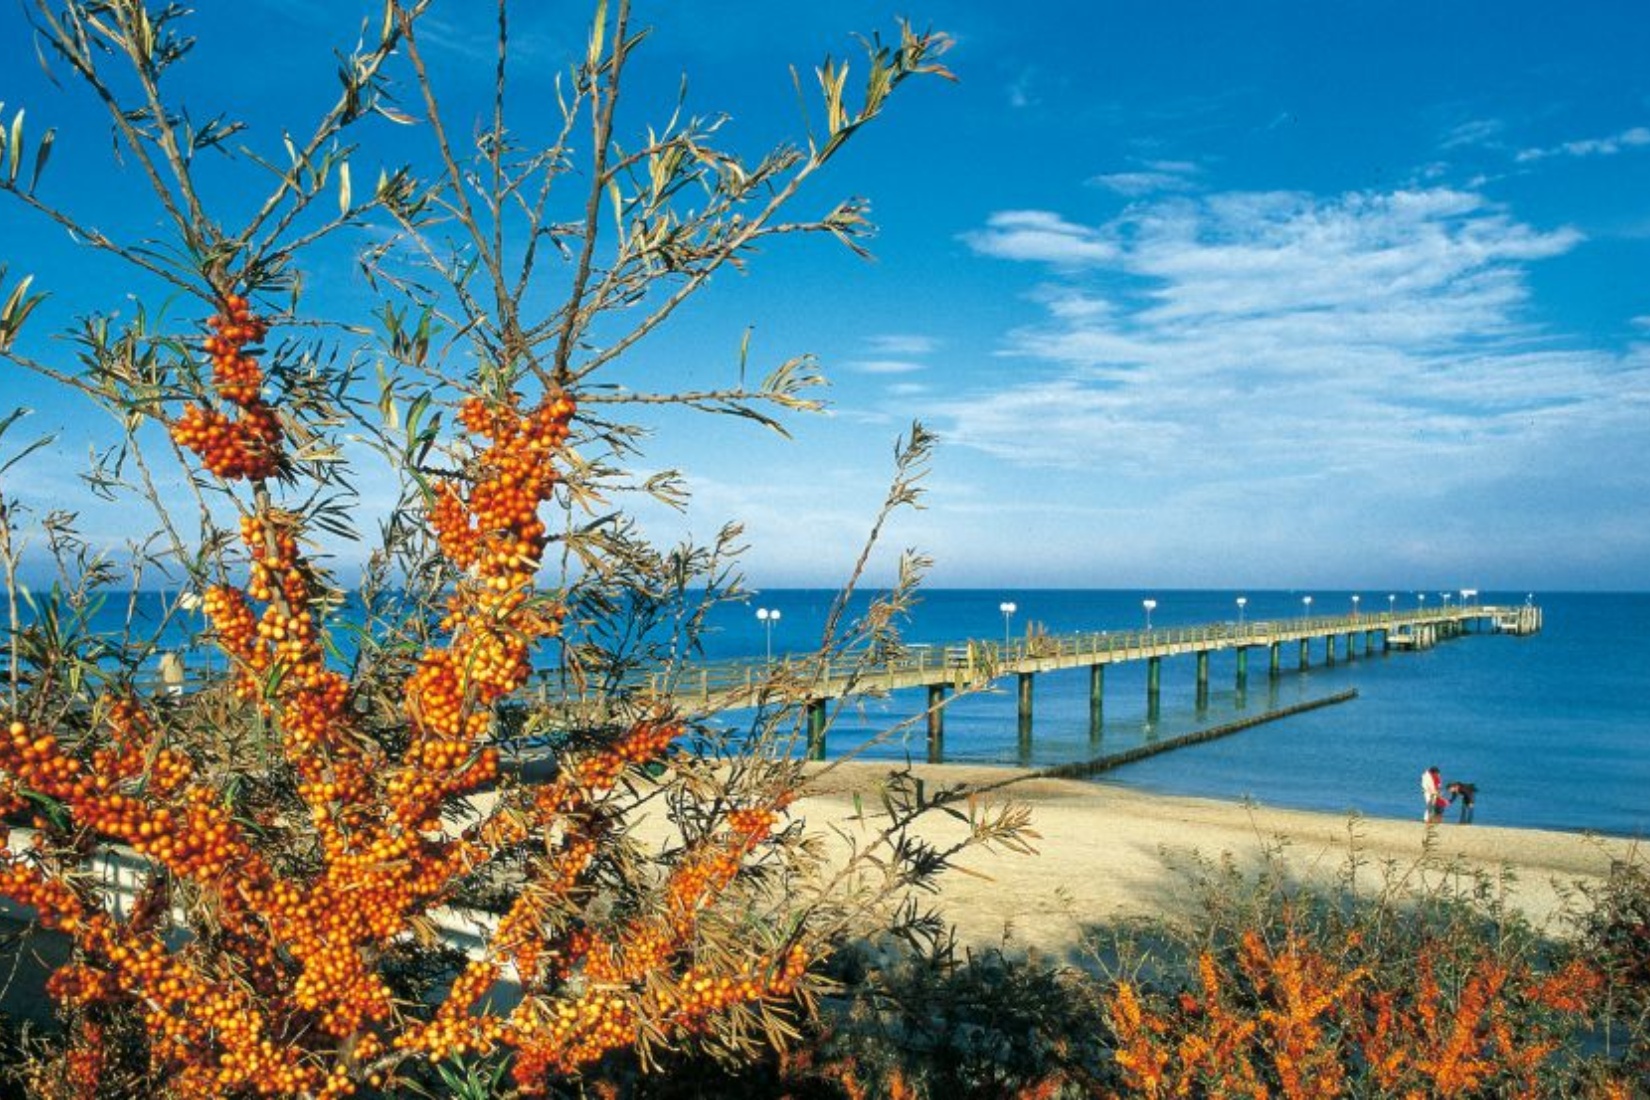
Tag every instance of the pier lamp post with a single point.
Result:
(1444, 596)
(1150, 606)
(1421, 600)
(1529, 599)
(767, 617)
(1242, 602)
(1008, 608)
(1306, 602)
(1391, 604)
(1355, 600)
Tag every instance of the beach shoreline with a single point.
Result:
(1106, 853)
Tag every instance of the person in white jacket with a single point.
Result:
(1432, 789)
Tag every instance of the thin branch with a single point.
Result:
(602, 112)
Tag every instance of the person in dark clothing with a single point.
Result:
(1467, 793)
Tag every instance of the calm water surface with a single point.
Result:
(1553, 728)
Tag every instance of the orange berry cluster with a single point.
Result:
(703, 872)
(644, 743)
(520, 937)
(206, 1032)
(33, 761)
(235, 373)
(284, 637)
(494, 533)
(566, 1035)
(247, 445)
(702, 993)
(452, 1031)
(27, 883)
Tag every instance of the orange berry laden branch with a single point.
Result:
(269, 945)
(286, 997)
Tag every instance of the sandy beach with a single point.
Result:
(1105, 852)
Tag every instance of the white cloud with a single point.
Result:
(1141, 183)
(1341, 350)
(1040, 236)
(1635, 137)
(892, 354)
(1153, 177)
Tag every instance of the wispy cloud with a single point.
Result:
(1636, 137)
(1369, 343)
(1040, 236)
(1153, 177)
(1477, 131)
(894, 353)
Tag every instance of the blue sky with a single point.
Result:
(1194, 294)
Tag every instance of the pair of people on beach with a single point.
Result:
(1433, 792)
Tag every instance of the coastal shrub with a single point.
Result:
(319, 867)
(1613, 925)
(1422, 984)
(1413, 981)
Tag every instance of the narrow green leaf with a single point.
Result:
(598, 36)
(41, 156)
(14, 152)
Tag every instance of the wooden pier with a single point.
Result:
(944, 668)
(813, 681)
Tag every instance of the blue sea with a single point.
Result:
(1553, 728)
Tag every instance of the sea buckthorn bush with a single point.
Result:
(1422, 985)
(318, 871)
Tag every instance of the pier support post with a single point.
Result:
(936, 723)
(1242, 667)
(1329, 649)
(816, 729)
(1097, 690)
(1025, 709)
(1306, 654)
(1154, 682)
(1203, 679)
(1276, 659)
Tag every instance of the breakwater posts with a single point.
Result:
(1085, 768)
